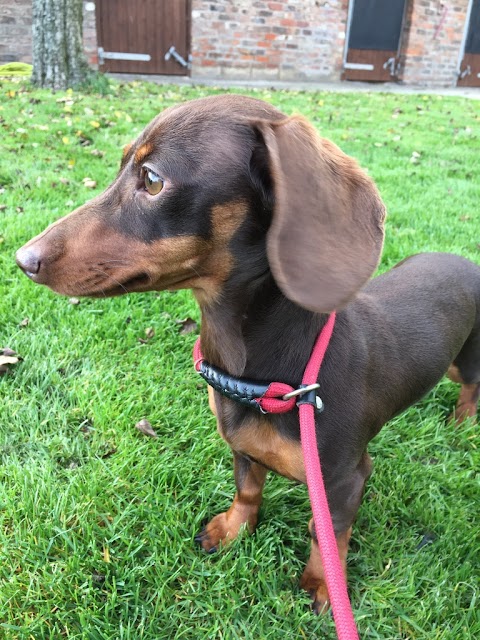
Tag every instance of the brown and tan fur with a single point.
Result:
(274, 227)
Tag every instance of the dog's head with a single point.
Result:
(212, 187)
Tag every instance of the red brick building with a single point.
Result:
(430, 43)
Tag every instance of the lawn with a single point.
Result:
(97, 519)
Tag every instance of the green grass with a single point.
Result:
(97, 520)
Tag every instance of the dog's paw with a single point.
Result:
(317, 589)
(462, 413)
(222, 529)
(215, 533)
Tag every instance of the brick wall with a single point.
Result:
(90, 34)
(15, 31)
(282, 39)
(432, 41)
(278, 39)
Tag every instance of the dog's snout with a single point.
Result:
(29, 261)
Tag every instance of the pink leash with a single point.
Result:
(273, 402)
(327, 543)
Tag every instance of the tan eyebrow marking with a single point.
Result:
(126, 149)
(142, 152)
(125, 154)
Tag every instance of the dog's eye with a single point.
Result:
(153, 182)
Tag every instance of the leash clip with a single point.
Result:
(306, 395)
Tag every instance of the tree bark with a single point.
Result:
(57, 30)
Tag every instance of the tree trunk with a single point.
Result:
(57, 30)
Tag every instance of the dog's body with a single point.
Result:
(272, 228)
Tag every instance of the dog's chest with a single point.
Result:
(257, 439)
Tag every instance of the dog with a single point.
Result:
(273, 228)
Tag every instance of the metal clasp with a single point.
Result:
(306, 390)
(301, 391)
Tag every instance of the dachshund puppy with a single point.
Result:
(273, 228)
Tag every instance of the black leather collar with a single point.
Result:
(241, 390)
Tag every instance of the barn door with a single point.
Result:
(374, 30)
(145, 36)
(469, 72)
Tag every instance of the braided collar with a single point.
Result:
(266, 397)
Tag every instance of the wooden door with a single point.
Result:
(138, 36)
(469, 72)
(374, 32)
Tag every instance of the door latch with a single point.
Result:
(466, 72)
(391, 64)
(173, 53)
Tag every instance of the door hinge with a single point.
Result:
(119, 55)
(358, 66)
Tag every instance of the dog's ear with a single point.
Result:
(326, 236)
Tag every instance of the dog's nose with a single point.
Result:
(29, 261)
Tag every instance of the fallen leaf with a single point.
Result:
(415, 158)
(97, 152)
(7, 358)
(428, 538)
(89, 183)
(74, 301)
(108, 453)
(106, 554)
(188, 325)
(145, 427)
(149, 332)
(24, 323)
(6, 351)
(84, 142)
(98, 578)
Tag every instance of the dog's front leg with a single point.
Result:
(249, 480)
(344, 498)
(313, 578)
